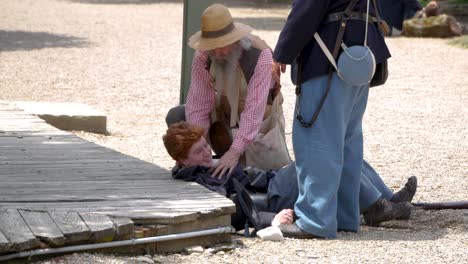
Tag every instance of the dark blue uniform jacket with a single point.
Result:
(395, 11)
(308, 17)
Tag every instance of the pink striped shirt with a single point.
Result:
(201, 98)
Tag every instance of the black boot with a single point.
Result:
(384, 210)
(406, 194)
(294, 231)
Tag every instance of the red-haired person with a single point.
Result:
(275, 190)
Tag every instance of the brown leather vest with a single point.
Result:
(247, 63)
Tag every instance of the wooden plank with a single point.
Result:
(101, 226)
(156, 216)
(71, 225)
(64, 169)
(73, 163)
(180, 244)
(124, 227)
(101, 167)
(4, 243)
(89, 196)
(48, 155)
(142, 211)
(43, 227)
(88, 193)
(150, 187)
(83, 176)
(127, 206)
(85, 184)
(30, 171)
(109, 200)
(16, 230)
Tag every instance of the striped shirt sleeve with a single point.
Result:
(201, 96)
(257, 94)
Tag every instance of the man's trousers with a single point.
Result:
(329, 157)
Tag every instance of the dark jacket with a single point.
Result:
(202, 176)
(395, 11)
(280, 186)
(306, 18)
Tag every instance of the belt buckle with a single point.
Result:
(344, 16)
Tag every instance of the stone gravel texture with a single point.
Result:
(123, 57)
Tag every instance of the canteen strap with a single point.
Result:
(336, 49)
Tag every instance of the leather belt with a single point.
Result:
(352, 16)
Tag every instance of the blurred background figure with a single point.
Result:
(431, 22)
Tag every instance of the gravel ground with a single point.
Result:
(123, 57)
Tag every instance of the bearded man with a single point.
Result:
(233, 96)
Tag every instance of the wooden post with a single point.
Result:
(192, 13)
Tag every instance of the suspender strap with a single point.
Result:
(377, 14)
(382, 25)
(336, 49)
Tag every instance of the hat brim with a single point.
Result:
(197, 42)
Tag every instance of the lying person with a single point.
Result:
(276, 190)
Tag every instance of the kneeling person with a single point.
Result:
(232, 90)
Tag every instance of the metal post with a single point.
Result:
(192, 13)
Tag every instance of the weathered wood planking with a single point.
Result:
(71, 225)
(101, 226)
(124, 227)
(150, 214)
(126, 204)
(4, 243)
(16, 230)
(89, 191)
(43, 227)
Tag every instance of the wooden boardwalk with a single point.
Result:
(58, 189)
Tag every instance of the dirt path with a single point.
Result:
(124, 59)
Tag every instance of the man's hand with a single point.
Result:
(285, 217)
(276, 70)
(227, 163)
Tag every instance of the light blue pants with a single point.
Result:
(329, 157)
(372, 187)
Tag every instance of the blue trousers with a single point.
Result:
(329, 157)
(372, 187)
(283, 188)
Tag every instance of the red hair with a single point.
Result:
(180, 137)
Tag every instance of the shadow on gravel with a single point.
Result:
(263, 23)
(422, 226)
(24, 40)
(124, 2)
(230, 3)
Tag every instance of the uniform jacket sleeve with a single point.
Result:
(412, 4)
(303, 21)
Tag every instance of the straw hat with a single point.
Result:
(217, 29)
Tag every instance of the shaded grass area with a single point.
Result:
(460, 41)
(25, 40)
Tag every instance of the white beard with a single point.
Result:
(228, 78)
(226, 67)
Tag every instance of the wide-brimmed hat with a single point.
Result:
(217, 29)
